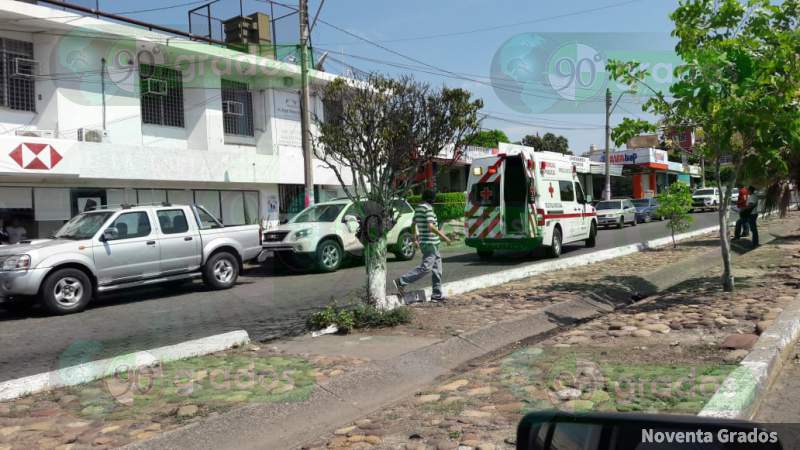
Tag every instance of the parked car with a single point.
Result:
(111, 249)
(616, 212)
(705, 199)
(326, 232)
(646, 209)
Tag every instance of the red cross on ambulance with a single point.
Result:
(486, 194)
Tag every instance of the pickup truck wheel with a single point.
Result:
(221, 270)
(555, 246)
(405, 247)
(66, 291)
(329, 255)
(591, 242)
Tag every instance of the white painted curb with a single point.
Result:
(529, 270)
(87, 372)
(739, 395)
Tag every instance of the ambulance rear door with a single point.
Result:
(484, 209)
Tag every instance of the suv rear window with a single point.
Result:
(485, 194)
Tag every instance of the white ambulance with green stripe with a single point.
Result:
(520, 199)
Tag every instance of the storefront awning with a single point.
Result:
(600, 169)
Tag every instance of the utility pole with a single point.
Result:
(607, 189)
(305, 105)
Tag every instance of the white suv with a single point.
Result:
(326, 232)
(708, 198)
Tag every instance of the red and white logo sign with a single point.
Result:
(32, 156)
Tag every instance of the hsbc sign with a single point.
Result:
(34, 156)
(46, 156)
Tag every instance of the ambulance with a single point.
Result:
(521, 199)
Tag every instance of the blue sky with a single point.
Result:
(462, 60)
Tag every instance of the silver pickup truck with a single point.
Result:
(110, 249)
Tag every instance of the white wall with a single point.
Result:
(132, 150)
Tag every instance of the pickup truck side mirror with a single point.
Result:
(349, 218)
(587, 199)
(110, 233)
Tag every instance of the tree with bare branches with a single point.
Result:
(382, 132)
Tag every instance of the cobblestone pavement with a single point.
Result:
(667, 353)
(137, 406)
(488, 306)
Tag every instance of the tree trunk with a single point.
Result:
(375, 262)
(672, 232)
(725, 243)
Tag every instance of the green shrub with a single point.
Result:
(448, 205)
(331, 315)
(367, 316)
(362, 316)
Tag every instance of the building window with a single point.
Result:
(17, 69)
(291, 200)
(162, 95)
(237, 108)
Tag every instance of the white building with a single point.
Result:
(96, 111)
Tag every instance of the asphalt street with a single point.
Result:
(268, 302)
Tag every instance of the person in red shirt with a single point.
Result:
(742, 224)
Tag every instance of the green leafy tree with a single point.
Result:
(674, 205)
(630, 128)
(487, 138)
(738, 84)
(549, 142)
(380, 132)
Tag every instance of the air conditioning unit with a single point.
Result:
(90, 135)
(154, 86)
(25, 68)
(36, 133)
(232, 108)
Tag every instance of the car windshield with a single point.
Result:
(319, 213)
(704, 192)
(83, 226)
(642, 202)
(609, 205)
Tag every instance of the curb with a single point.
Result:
(91, 371)
(529, 270)
(740, 394)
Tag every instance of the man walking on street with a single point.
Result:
(427, 237)
(752, 214)
(742, 224)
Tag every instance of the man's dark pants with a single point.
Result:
(742, 225)
(751, 220)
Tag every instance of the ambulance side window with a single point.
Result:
(567, 191)
(579, 193)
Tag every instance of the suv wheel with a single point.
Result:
(405, 248)
(329, 255)
(555, 245)
(66, 291)
(221, 270)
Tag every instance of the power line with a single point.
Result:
(500, 26)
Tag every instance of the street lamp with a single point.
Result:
(610, 110)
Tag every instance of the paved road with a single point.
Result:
(267, 302)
